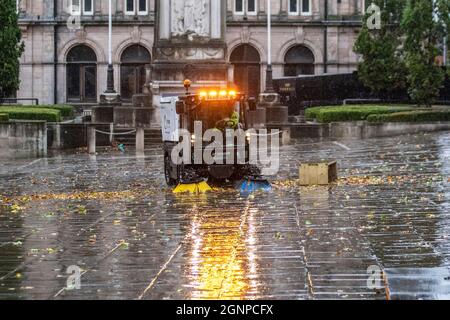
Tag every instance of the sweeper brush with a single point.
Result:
(254, 184)
(195, 188)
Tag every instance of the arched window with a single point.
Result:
(132, 70)
(81, 74)
(298, 60)
(247, 69)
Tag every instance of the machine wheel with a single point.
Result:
(167, 170)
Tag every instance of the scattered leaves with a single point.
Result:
(278, 236)
(123, 244)
(82, 210)
(15, 208)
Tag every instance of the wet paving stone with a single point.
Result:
(112, 216)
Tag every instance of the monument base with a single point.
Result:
(125, 117)
(256, 119)
(142, 100)
(110, 99)
(276, 113)
(103, 114)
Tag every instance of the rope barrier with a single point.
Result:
(266, 135)
(115, 134)
(134, 131)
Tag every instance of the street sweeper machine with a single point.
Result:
(204, 123)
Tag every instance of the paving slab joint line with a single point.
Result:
(166, 264)
(343, 146)
(305, 258)
(164, 267)
(29, 164)
(120, 244)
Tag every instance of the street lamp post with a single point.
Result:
(110, 74)
(269, 73)
(110, 97)
(269, 101)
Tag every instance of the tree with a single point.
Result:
(11, 48)
(424, 24)
(382, 68)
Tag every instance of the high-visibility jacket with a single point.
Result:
(234, 120)
(230, 123)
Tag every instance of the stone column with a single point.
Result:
(284, 6)
(164, 19)
(262, 6)
(47, 9)
(333, 49)
(97, 7)
(216, 19)
(231, 74)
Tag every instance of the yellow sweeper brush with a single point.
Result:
(199, 187)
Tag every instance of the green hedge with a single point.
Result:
(350, 113)
(4, 117)
(311, 113)
(66, 111)
(413, 116)
(31, 113)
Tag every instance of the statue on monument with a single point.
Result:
(190, 18)
(177, 18)
(190, 43)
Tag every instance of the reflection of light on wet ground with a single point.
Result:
(414, 283)
(222, 254)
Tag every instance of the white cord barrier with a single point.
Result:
(266, 135)
(134, 131)
(116, 134)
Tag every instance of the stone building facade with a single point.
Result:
(66, 43)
